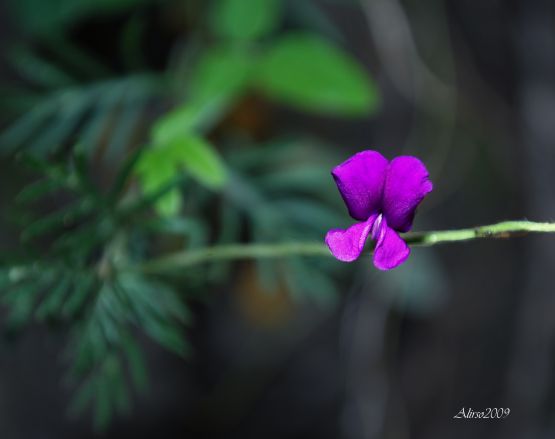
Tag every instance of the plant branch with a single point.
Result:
(188, 258)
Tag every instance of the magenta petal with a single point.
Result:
(390, 251)
(347, 245)
(361, 180)
(406, 184)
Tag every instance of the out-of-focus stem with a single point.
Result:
(188, 258)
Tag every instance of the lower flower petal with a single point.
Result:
(347, 245)
(390, 251)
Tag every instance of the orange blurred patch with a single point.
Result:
(263, 308)
(251, 115)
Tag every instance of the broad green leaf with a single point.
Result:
(170, 204)
(222, 72)
(185, 119)
(245, 19)
(200, 160)
(160, 165)
(218, 77)
(155, 169)
(308, 72)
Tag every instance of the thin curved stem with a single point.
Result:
(505, 229)
(188, 258)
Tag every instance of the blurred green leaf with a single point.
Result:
(245, 19)
(308, 72)
(22, 302)
(217, 79)
(103, 401)
(221, 72)
(192, 117)
(160, 165)
(156, 169)
(92, 113)
(119, 386)
(159, 311)
(137, 367)
(194, 229)
(57, 219)
(70, 109)
(103, 112)
(38, 189)
(79, 295)
(130, 117)
(170, 204)
(54, 299)
(220, 75)
(82, 398)
(38, 70)
(168, 336)
(26, 125)
(104, 349)
(200, 159)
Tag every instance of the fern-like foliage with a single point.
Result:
(85, 282)
(57, 109)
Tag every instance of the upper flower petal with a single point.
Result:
(360, 181)
(390, 251)
(347, 245)
(406, 184)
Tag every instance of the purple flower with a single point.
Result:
(382, 195)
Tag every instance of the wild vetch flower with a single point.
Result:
(382, 195)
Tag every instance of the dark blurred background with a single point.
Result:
(467, 86)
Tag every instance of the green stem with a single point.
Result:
(505, 229)
(184, 259)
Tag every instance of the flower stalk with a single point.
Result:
(188, 258)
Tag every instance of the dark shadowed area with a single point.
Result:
(134, 134)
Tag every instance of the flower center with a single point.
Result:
(377, 227)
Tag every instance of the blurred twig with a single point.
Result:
(434, 95)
